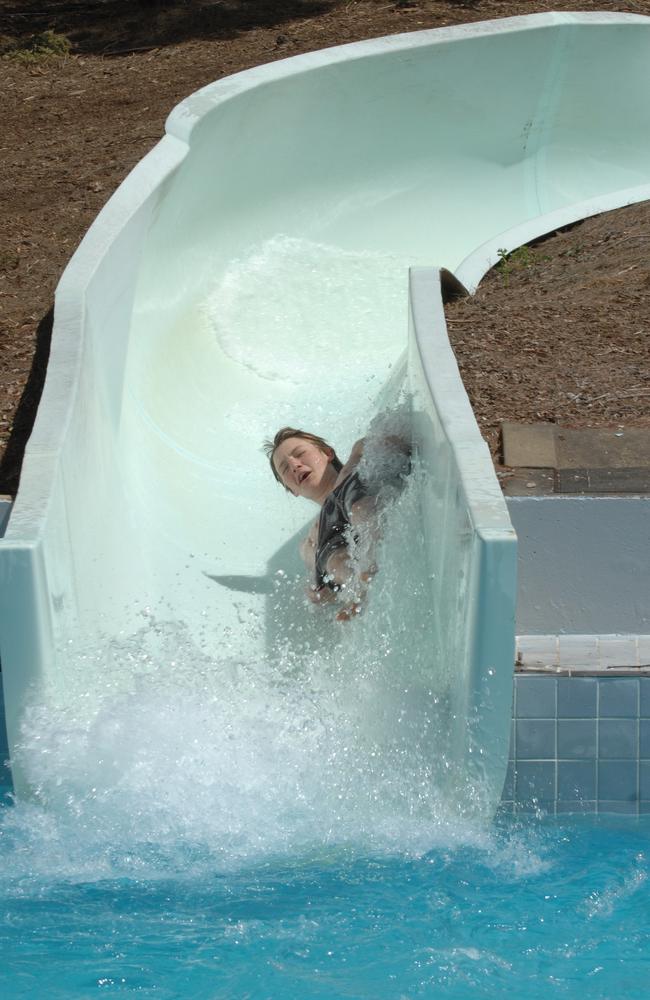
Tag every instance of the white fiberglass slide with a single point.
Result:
(253, 272)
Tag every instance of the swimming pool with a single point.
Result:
(532, 908)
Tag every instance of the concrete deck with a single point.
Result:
(548, 458)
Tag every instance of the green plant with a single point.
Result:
(516, 260)
(37, 48)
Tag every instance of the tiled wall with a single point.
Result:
(580, 744)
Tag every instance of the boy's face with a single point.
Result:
(302, 467)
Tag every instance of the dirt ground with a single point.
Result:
(560, 331)
(558, 334)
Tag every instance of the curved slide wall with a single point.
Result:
(251, 272)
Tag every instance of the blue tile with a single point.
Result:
(645, 697)
(576, 738)
(577, 806)
(537, 806)
(644, 738)
(577, 698)
(535, 697)
(508, 793)
(644, 808)
(535, 739)
(618, 697)
(576, 780)
(617, 781)
(630, 808)
(644, 779)
(511, 751)
(618, 738)
(535, 780)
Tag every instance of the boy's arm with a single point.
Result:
(355, 457)
(391, 442)
(308, 546)
(353, 574)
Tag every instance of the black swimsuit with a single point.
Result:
(333, 523)
(335, 515)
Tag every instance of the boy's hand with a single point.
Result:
(320, 595)
(349, 612)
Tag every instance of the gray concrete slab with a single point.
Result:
(529, 445)
(547, 458)
(528, 482)
(594, 481)
(602, 447)
(550, 446)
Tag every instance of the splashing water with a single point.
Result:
(216, 827)
(335, 737)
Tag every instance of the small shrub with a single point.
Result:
(37, 48)
(518, 260)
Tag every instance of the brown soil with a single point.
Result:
(562, 339)
(560, 331)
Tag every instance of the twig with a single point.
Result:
(128, 52)
(638, 391)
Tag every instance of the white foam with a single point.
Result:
(167, 740)
(336, 736)
(265, 300)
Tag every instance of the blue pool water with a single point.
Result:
(525, 907)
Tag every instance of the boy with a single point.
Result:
(308, 466)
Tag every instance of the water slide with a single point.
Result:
(281, 257)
